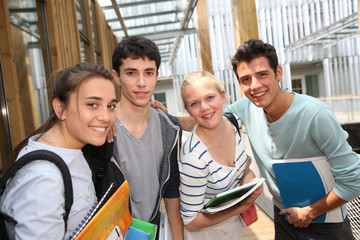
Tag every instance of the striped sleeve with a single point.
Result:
(194, 173)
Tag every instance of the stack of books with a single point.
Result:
(110, 219)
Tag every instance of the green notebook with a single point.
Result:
(231, 197)
(144, 226)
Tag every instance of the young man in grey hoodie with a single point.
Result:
(147, 141)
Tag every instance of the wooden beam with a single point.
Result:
(10, 76)
(203, 36)
(121, 20)
(245, 20)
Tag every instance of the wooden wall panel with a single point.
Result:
(64, 50)
(245, 20)
(10, 76)
(204, 37)
(63, 33)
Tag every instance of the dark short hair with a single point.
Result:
(135, 47)
(254, 48)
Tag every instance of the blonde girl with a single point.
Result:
(213, 160)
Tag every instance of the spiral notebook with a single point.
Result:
(112, 210)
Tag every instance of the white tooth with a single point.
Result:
(259, 94)
(98, 129)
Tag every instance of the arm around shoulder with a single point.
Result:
(188, 123)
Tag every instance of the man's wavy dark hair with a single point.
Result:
(254, 48)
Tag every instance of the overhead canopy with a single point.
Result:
(339, 31)
(163, 21)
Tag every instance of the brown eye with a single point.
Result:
(112, 106)
(94, 105)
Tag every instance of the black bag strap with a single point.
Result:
(233, 120)
(98, 159)
(51, 157)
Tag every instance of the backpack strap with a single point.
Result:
(98, 159)
(51, 157)
(233, 120)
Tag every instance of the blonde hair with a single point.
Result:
(200, 76)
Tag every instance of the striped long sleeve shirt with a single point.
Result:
(201, 177)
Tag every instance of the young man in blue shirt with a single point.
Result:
(286, 125)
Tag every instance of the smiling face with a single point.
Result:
(259, 82)
(137, 81)
(204, 102)
(90, 113)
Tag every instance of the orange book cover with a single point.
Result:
(114, 212)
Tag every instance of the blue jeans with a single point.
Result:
(315, 231)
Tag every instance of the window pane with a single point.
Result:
(161, 97)
(93, 24)
(84, 35)
(312, 85)
(95, 36)
(85, 50)
(296, 85)
(80, 13)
